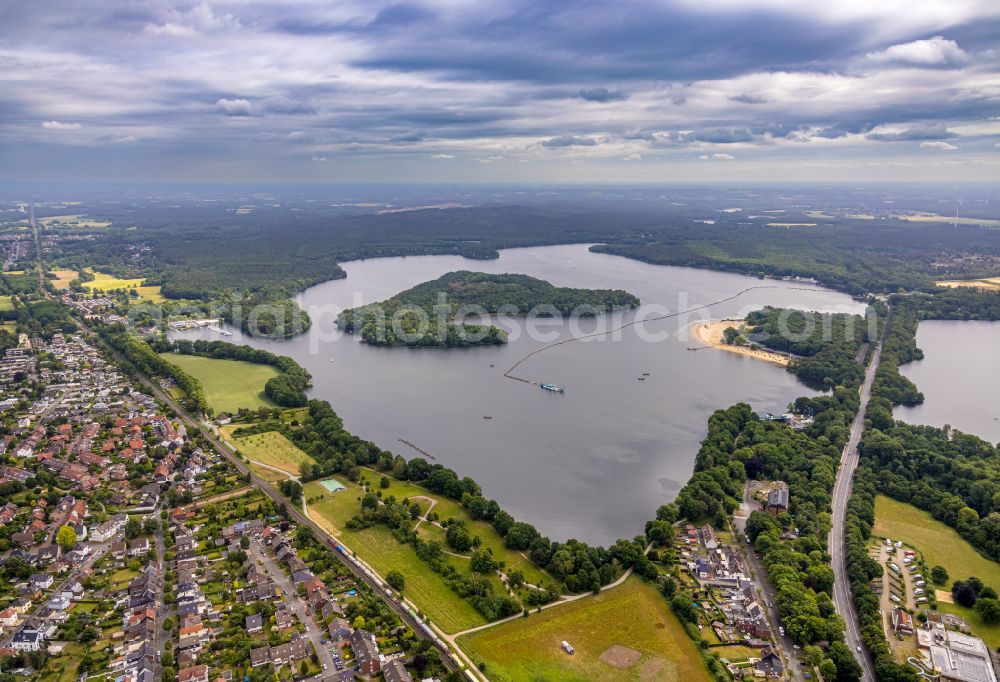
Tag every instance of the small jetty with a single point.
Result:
(417, 448)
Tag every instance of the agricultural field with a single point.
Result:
(987, 284)
(951, 220)
(273, 449)
(63, 278)
(940, 545)
(624, 633)
(104, 282)
(73, 221)
(6, 304)
(229, 384)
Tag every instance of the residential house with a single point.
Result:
(198, 673)
(366, 653)
(777, 500)
(395, 671)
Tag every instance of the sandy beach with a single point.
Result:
(711, 334)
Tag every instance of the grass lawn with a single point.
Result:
(229, 384)
(6, 304)
(447, 508)
(63, 668)
(940, 545)
(989, 633)
(121, 577)
(624, 633)
(384, 553)
(735, 652)
(150, 294)
(274, 449)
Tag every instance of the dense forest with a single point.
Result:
(430, 314)
(209, 250)
(827, 344)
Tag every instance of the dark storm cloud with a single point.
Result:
(494, 79)
(931, 131)
(569, 141)
(603, 95)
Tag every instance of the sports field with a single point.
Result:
(229, 384)
(273, 449)
(624, 633)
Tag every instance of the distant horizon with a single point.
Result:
(490, 92)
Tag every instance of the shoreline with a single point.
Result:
(711, 334)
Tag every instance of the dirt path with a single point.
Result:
(219, 498)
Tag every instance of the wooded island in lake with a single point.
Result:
(430, 314)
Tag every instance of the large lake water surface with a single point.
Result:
(593, 463)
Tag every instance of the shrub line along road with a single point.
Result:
(842, 599)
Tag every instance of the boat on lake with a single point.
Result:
(553, 388)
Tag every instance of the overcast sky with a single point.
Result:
(505, 90)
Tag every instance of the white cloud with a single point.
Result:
(199, 19)
(59, 125)
(172, 30)
(442, 156)
(318, 158)
(717, 157)
(937, 144)
(936, 51)
(234, 107)
(633, 157)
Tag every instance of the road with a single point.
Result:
(765, 589)
(313, 631)
(842, 599)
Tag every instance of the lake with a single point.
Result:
(593, 463)
(958, 376)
